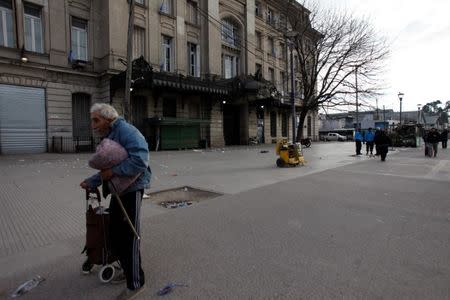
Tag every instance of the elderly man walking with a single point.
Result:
(106, 123)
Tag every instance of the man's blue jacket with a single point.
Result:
(369, 136)
(358, 136)
(138, 157)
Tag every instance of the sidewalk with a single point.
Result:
(217, 246)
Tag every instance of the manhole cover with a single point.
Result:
(181, 197)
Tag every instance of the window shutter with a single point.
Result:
(197, 67)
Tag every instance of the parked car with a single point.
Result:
(332, 136)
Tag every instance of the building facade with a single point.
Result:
(209, 73)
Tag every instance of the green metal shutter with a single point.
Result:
(179, 137)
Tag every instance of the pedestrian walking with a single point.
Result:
(428, 147)
(434, 138)
(106, 123)
(377, 132)
(358, 141)
(383, 141)
(444, 138)
(369, 137)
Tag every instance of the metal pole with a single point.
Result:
(400, 111)
(378, 115)
(384, 118)
(292, 94)
(126, 100)
(357, 109)
(418, 114)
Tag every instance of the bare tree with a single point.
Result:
(333, 49)
(439, 109)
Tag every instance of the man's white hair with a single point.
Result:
(105, 110)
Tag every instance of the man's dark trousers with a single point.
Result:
(369, 147)
(358, 147)
(383, 150)
(444, 144)
(124, 244)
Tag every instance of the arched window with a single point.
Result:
(230, 33)
(81, 126)
(231, 44)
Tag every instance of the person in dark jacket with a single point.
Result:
(444, 138)
(428, 148)
(377, 132)
(434, 138)
(382, 142)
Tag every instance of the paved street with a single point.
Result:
(339, 227)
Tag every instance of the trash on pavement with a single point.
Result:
(176, 204)
(27, 286)
(169, 287)
(264, 151)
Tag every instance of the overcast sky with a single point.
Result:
(419, 32)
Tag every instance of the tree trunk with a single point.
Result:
(301, 122)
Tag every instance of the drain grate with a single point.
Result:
(181, 197)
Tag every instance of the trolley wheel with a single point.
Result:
(87, 266)
(280, 163)
(106, 273)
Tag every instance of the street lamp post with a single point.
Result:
(126, 99)
(356, 86)
(400, 97)
(418, 113)
(290, 35)
(292, 93)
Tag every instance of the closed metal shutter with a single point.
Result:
(22, 120)
(179, 137)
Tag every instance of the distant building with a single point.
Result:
(374, 119)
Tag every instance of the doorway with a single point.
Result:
(231, 124)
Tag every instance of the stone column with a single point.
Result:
(217, 139)
(244, 124)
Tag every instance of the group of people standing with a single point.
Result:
(382, 141)
(379, 139)
(432, 138)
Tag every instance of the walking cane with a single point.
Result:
(116, 195)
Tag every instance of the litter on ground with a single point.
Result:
(27, 286)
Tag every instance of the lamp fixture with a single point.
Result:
(23, 57)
